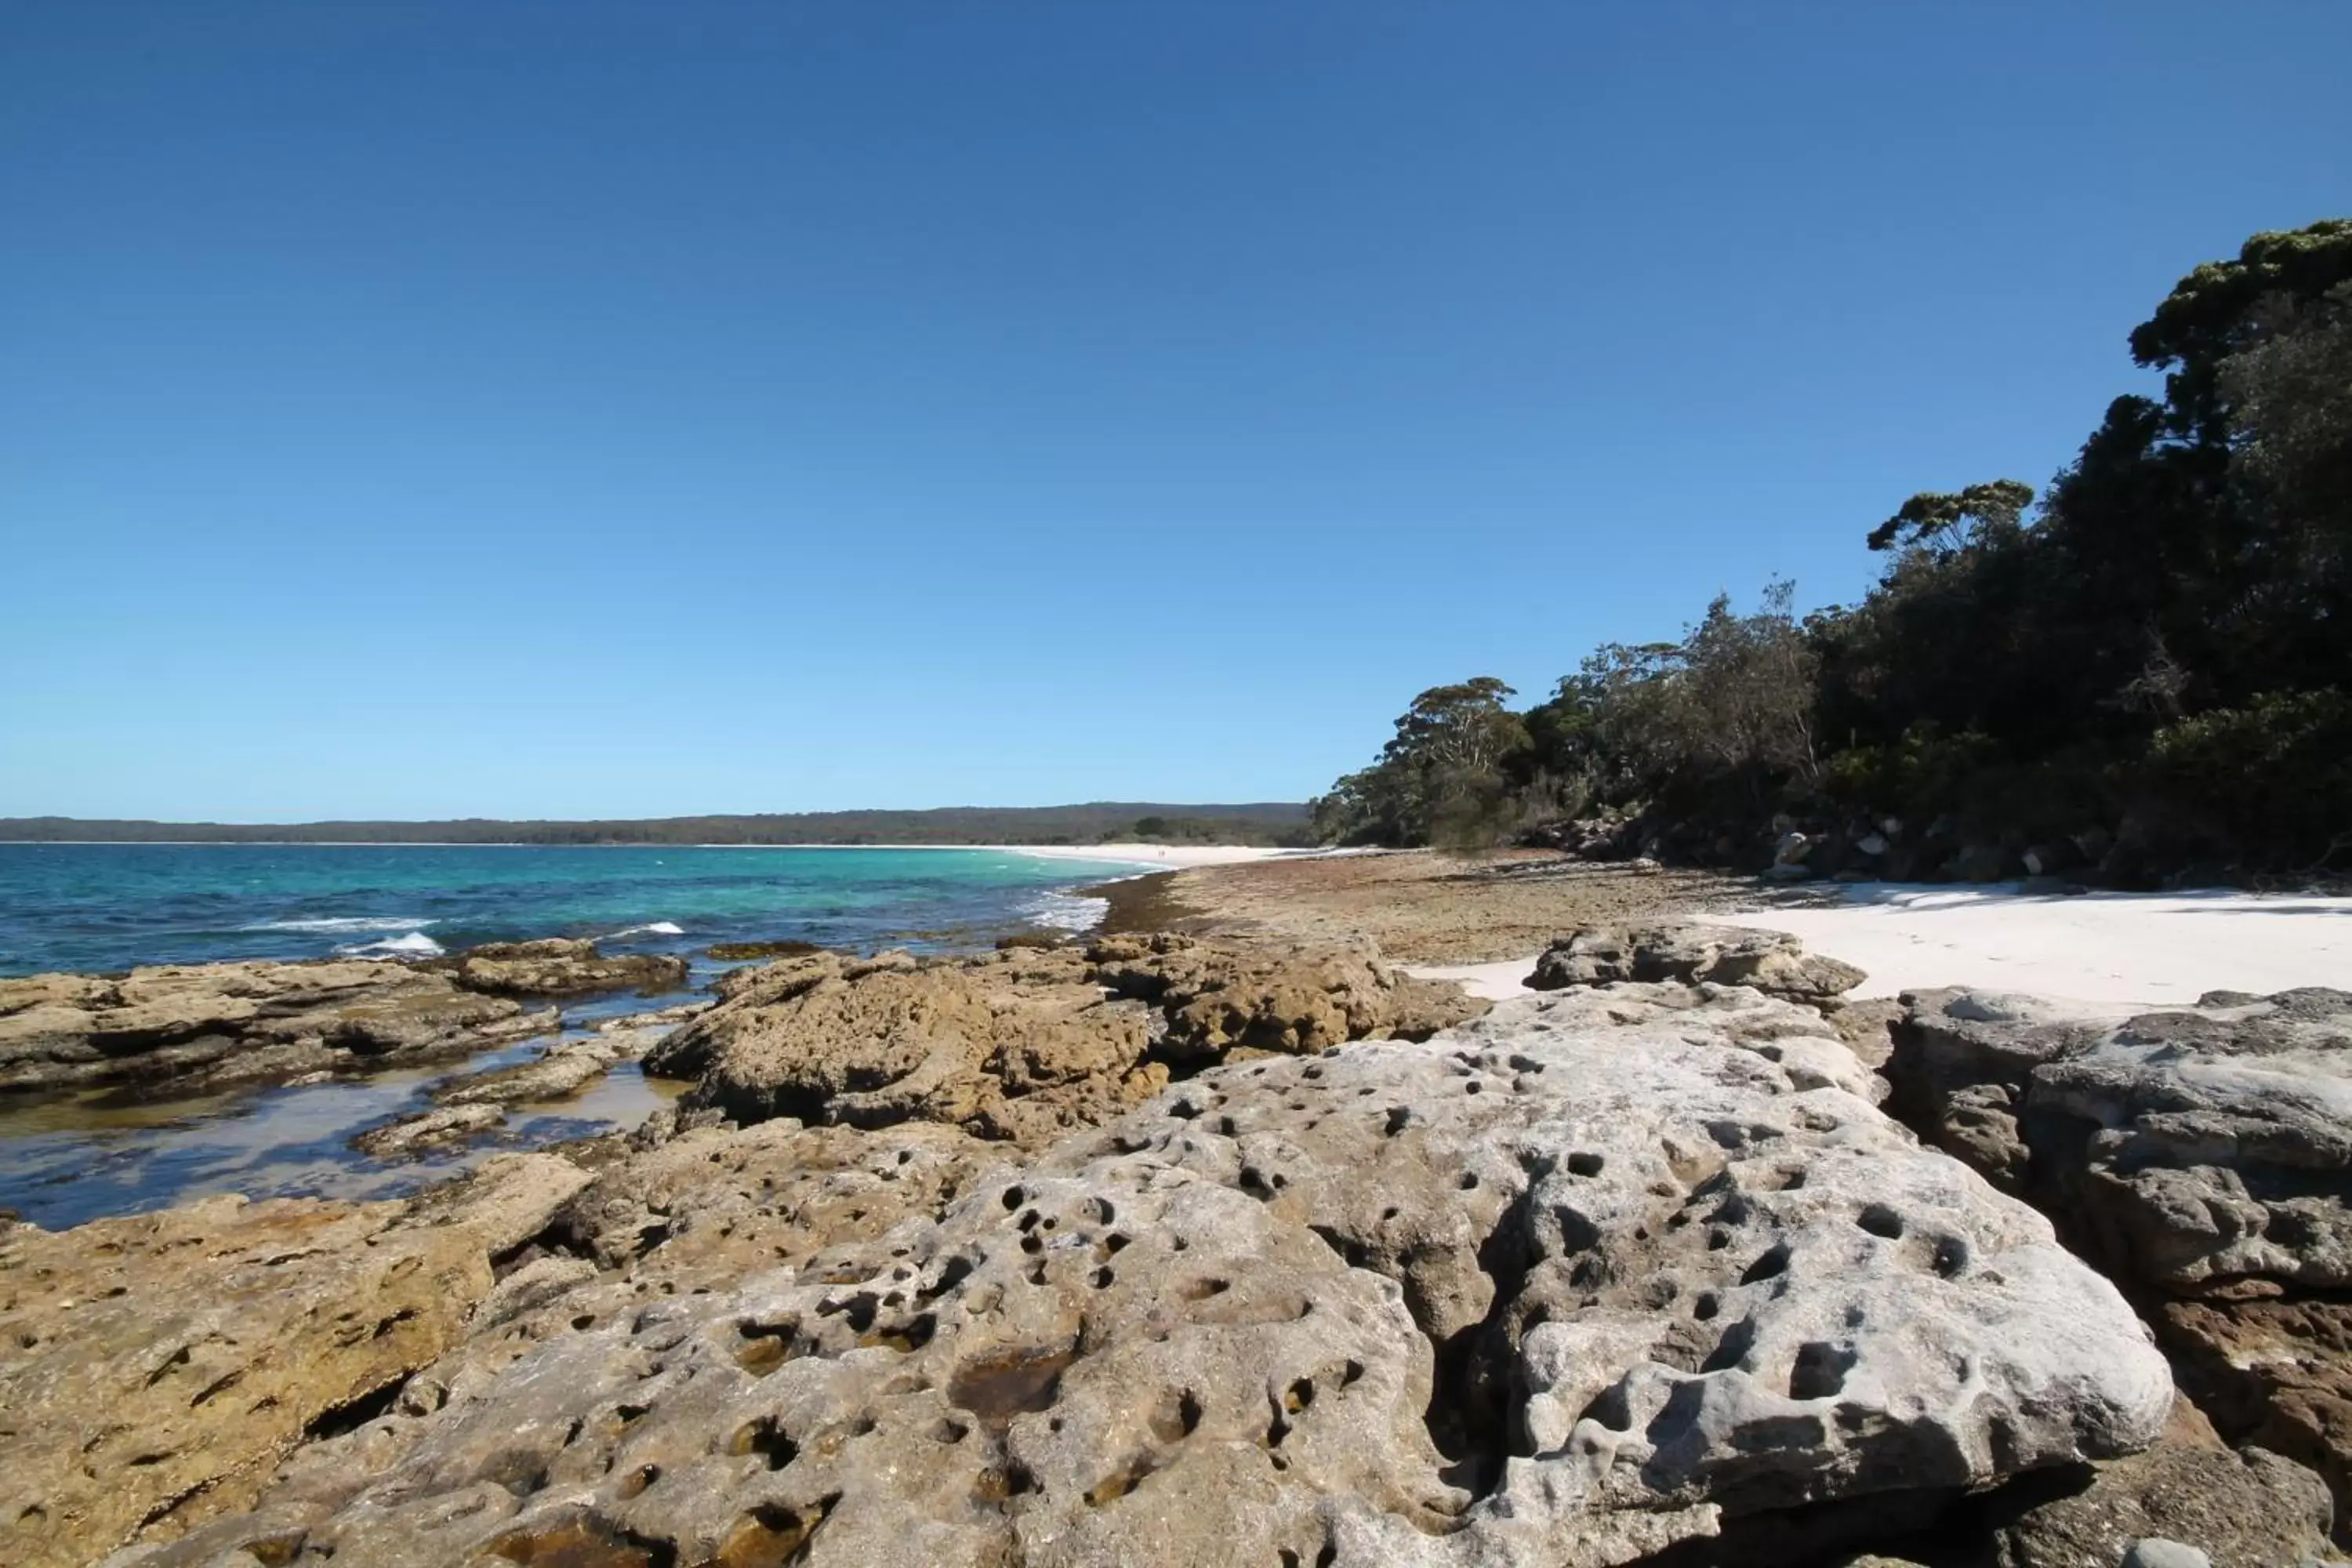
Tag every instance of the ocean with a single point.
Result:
(100, 907)
(107, 907)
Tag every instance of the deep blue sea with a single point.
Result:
(111, 907)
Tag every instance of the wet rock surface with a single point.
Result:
(426, 1129)
(1772, 962)
(2202, 1156)
(186, 1028)
(471, 1104)
(1600, 1274)
(1026, 1044)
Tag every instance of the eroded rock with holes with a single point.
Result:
(154, 1368)
(1026, 1044)
(1599, 1274)
(2202, 1155)
(1774, 962)
(1216, 996)
(717, 1204)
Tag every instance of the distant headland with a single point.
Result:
(1269, 822)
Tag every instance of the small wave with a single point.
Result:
(1065, 912)
(346, 922)
(659, 928)
(415, 945)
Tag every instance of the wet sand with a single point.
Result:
(1422, 907)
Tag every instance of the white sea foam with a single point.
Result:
(415, 945)
(347, 923)
(658, 928)
(1065, 912)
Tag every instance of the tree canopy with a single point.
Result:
(2157, 654)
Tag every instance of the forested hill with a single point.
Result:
(1097, 822)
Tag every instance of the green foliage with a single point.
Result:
(2277, 771)
(1445, 775)
(2217, 310)
(2166, 641)
(1945, 523)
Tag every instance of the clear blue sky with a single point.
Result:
(558, 409)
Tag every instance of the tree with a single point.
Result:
(1441, 776)
(1948, 523)
(1468, 727)
(2218, 311)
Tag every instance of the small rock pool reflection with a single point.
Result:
(67, 1161)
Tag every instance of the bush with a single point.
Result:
(2273, 779)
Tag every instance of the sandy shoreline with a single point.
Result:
(2096, 948)
(1481, 921)
(1157, 856)
(2093, 947)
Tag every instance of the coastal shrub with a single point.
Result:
(2274, 777)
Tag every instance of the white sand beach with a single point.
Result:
(2104, 948)
(1164, 857)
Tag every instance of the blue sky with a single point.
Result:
(565, 409)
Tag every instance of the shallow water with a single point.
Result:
(80, 1159)
(98, 906)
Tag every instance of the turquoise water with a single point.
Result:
(111, 906)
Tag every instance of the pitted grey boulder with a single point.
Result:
(1598, 1274)
(1774, 962)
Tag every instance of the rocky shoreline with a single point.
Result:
(1165, 1248)
(181, 1029)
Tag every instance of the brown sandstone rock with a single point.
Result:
(211, 1025)
(2274, 1372)
(718, 1203)
(428, 1129)
(2243, 1509)
(560, 966)
(1023, 1044)
(184, 1028)
(977, 1044)
(560, 1071)
(1292, 999)
(154, 1369)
